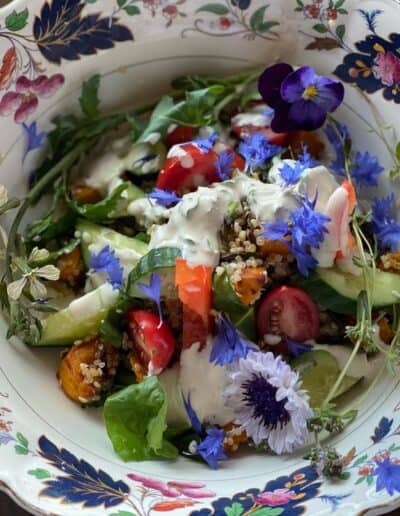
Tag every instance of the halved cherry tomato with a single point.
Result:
(181, 134)
(244, 131)
(195, 291)
(153, 341)
(190, 167)
(288, 312)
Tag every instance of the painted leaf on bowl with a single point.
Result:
(81, 482)
(61, 32)
(382, 430)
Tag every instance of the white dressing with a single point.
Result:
(147, 212)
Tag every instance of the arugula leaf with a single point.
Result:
(56, 254)
(89, 99)
(158, 122)
(102, 211)
(111, 326)
(47, 228)
(135, 419)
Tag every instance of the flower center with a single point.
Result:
(259, 394)
(310, 92)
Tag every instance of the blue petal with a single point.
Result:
(211, 449)
(163, 197)
(153, 290)
(194, 420)
(228, 346)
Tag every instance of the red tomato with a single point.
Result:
(191, 168)
(244, 131)
(290, 312)
(153, 341)
(180, 135)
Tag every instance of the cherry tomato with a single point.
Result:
(154, 342)
(181, 134)
(190, 167)
(289, 312)
(244, 131)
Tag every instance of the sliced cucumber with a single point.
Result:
(130, 194)
(94, 238)
(80, 319)
(161, 260)
(338, 291)
(226, 300)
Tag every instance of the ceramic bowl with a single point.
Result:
(55, 458)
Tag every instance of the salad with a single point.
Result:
(210, 267)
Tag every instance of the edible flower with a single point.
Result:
(268, 402)
(224, 164)
(297, 348)
(338, 136)
(31, 275)
(292, 173)
(163, 197)
(228, 345)
(384, 224)
(307, 229)
(257, 150)
(206, 144)
(194, 420)
(211, 448)
(301, 98)
(365, 169)
(107, 261)
(153, 291)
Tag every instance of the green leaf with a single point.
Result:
(320, 27)
(121, 3)
(38, 473)
(360, 460)
(135, 419)
(213, 8)
(360, 480)
(226, 300)
(397, 151)
(89, 99)
(343, 11)
(22, 440)
(268, 511)
(266, 26)
(17, 21)
(339, 3)
(132, 10)
(234, 510)
(158, 121)
(340, 31)
(122, 513)
(257, 18)
(300, 3)
(370, 480)
(102, 211)
(20, 450)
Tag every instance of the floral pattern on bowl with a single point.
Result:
(39, 42)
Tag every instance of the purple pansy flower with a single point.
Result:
(301, 98)
(224, 164)
(153, 291)
(107, 261)
(163, 197)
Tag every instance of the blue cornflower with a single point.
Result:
(228, 345)
(34, 140)
(387, 476)
(306, 159)
(211, 449)
(385, 226)
(194, 420)
(206, 144)
(153, 290)
(365, 169)
(107, 261)
(224, 164)
(307, 229)
(292, 173)
(297, 348)
(257, 150)
(338, 135)
(163, 197)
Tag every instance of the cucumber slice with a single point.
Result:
(130, 194)
(161, 260)
(80, 319)
(94, 238)
(226, 300)
(338, 291)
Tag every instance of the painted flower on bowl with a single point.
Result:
(174, 489)
(276, 497)
(387, 68)
(25, 99)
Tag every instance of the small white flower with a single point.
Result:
(266, 396)
(37, 289)
(3, 195)
(37, 255)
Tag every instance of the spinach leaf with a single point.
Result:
(135, 419)
(89, 99)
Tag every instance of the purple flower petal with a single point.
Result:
(163, 197)
(281, 123)
(330, 94)
(211, 449)
(306, 115)
(194, 420)
(228, 345)
(270, 81)
(107, 261)
(153, 290)
(293, 86)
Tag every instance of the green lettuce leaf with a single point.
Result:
(135, 419)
